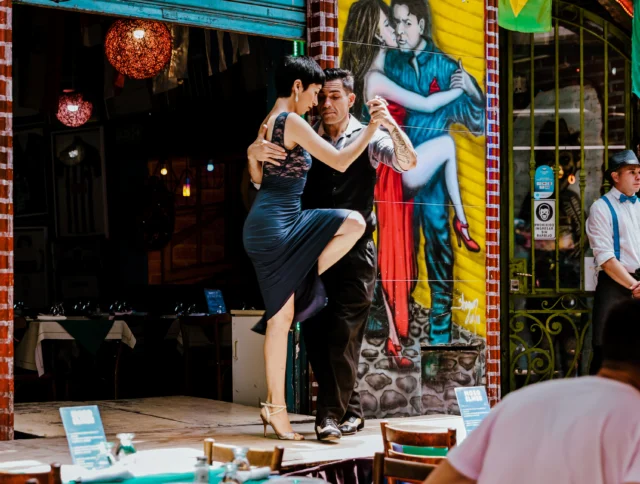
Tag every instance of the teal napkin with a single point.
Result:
(90, 333)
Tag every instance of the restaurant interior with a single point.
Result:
(129, 200)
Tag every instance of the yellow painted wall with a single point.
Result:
(458, 29)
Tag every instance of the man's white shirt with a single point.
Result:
(600, 231)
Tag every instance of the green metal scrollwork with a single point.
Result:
(548, 343)
(568, 302)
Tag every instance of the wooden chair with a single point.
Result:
(416, 438)
(52, 476)
(257, 457)
(399, 470)
(210, 326)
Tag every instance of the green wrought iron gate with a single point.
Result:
(569, 109)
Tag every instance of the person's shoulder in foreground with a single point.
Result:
(583, 430)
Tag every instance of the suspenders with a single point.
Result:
(616, 228)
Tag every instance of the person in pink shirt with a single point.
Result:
(579, 430)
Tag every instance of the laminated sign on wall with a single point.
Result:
(544, 220)
(543, 182)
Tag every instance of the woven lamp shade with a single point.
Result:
(73, 110)
(137, 48)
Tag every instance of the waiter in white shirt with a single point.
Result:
(613, 228)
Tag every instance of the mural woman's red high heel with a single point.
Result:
(469, 243)
(401, 362)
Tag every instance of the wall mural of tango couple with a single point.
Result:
(427, 59)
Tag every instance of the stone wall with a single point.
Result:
(421, 380)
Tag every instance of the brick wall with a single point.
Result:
(493, 204)
(322, 31)
(6, 226)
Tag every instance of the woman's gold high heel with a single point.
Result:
(266, 415)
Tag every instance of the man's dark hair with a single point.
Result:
(343, 75)
(419, 8)
(621, 336)
(293, 68)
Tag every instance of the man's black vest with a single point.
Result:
(353, 189)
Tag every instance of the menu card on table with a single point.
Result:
(474, 406)
(85, 435)
(215, 301)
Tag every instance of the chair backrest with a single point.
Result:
(415, 438)
(395, 470)
(257, 457)
(52, 476)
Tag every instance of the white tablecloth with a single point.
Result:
(28, 354)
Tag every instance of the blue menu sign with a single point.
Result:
(215, 301)
(85, 435)
(474, 406)
(543, 182)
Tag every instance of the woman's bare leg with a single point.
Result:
(346, 237)
(276, 338)
(275, 362)
(432, 155)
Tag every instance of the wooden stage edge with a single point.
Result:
(164, 422)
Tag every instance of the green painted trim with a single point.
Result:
(298, 47)
(270, 18)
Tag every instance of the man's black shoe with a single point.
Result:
(351, 425)
(328, 430)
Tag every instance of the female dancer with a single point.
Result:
(290, 247)
(368, 34)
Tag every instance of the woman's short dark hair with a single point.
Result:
(621, 335)
(293, 68)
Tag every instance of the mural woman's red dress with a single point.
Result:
(395, 243)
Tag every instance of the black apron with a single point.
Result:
(608, 294)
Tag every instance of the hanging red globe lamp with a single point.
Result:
(138, 48)
(73, 110)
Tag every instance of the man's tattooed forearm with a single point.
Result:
(402, 147)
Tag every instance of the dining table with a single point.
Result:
(89, 333)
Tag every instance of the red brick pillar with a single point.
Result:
(493, 204)
(6, 226)
(322, 32)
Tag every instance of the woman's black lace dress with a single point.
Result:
(284, 241)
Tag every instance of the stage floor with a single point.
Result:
(164, 422)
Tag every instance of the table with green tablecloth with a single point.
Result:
(215, 477)
(152, 466)
(88, 333)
